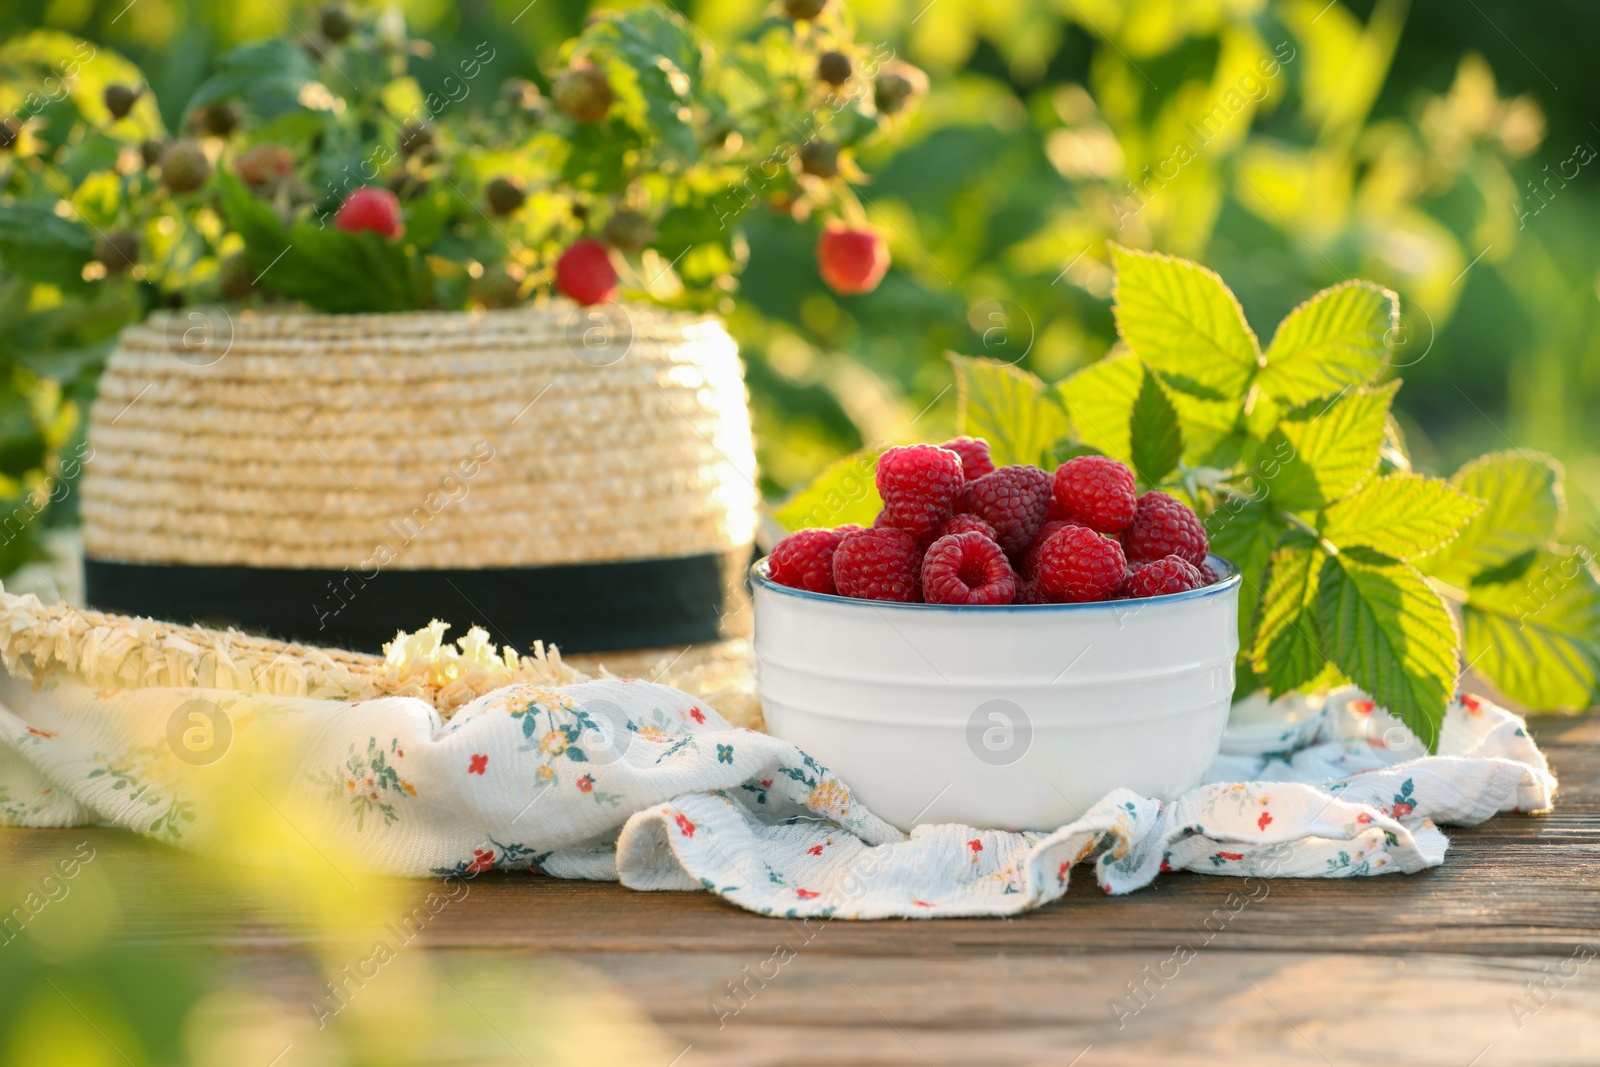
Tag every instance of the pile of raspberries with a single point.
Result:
(955, 529)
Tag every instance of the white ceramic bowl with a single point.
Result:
(1014, 717)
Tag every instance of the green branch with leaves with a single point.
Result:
(1356, 568)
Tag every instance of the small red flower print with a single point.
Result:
(1363, 707)
(814, 850)
(1266, 818)
(1472, 704)
(482, 860)
(697, 715)
(1235, 856)
(400, 752)
(1363, 818)
(585, 784)
(807, 894)
(975, 845)
(1106, 888)
(1402, 810)
(1061, 872)
(921, 903)
(1165, 866)
(685, 826)
(36, 732)
(766, 783)
(477, 764)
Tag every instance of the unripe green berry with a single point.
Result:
(833, 68)
(119, 100)
(803, 10)
(820, 158)
(184, 167)
(629, 230)
(582, 92)
(117, 250)
(504, 195)
(335, 22)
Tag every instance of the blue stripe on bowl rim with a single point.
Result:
(1231, 580)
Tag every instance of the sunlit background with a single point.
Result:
(1441, 149)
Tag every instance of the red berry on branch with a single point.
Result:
(371, 208)
(852, 260)
(585, 274)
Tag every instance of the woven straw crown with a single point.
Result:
(539, 436)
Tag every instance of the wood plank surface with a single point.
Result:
(1486, 960)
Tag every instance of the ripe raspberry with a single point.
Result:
(918, 485)
(804, 559)
(878, 564)
(584, 272)
(1077, 565)
(1174, 574)
(974, 453)
(1014, 501)
(1164, 527)
(1029, 558)
(369, 208)
(1095, 491)
(967, 568)
(851, 260)
(1028, 592)
(967, 524)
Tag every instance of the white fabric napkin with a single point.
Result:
(640, 782)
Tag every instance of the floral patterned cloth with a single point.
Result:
(639, 782)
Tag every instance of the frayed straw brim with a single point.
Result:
(119, 652)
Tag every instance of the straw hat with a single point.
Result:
(581, 475)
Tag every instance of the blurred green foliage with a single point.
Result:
(1288, 144)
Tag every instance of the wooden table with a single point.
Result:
(1490, 959)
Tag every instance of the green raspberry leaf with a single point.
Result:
(847, 491)
(1330, 451)
(657, 73)
(1521, 492)
(1400, 515)
(1245, 532)
(1536, 634)
(1391, 634)
(1338, 338)
(1100, 400)
(268, 75)
(39, 245)
(1009, 408)
(1180, 319)
(1155, 440)
(1288, 650)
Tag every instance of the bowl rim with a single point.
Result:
(1231, 581)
